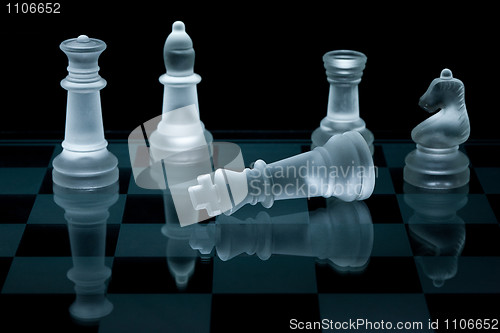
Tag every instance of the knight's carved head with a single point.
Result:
(442, 92)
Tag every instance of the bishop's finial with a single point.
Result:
(178, 51)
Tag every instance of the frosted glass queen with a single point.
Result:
(85, 160)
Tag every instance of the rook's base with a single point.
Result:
(329, 128)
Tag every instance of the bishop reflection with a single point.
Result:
(339, 234)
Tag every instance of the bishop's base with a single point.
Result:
(436, 168)
(330, 128)
(85, 170)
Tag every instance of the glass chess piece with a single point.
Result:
(342, 168)
(85, 160)
(180, 130)
(344, 69)
(437, 163)
(178, 146)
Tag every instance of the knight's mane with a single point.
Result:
(456, 87)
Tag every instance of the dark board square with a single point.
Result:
(263, 312)
(483, 155)
(112, 232)
(482, 240)
(25, 156)
(15, 208)
(461, 306)
(381, 275)
(148, 275)
(384, 208)
(379, 157)
(46, 313)
(147, 208)
(44, 240)
(474, 184)
(305, 148)
(494, 201)
(53, 240)
(397, 179)
(4, 269)
(124, 180)
(47, 184)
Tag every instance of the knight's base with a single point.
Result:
(436, 168)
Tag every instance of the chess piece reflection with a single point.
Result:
(344, 69)
(85, 161)
(181, 258)
(181, 170)
(437, 162)
(86, 213)
(341, 234)
(350, 231)
(436, 230)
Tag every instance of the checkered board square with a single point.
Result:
(403, 257)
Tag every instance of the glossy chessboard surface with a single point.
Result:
(400, 256)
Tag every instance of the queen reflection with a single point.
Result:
(86, 212)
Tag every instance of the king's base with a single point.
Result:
(85, 170)
(330, 128)
(436, 168)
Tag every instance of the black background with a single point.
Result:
(260, 63)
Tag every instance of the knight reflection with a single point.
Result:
(436, 231)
